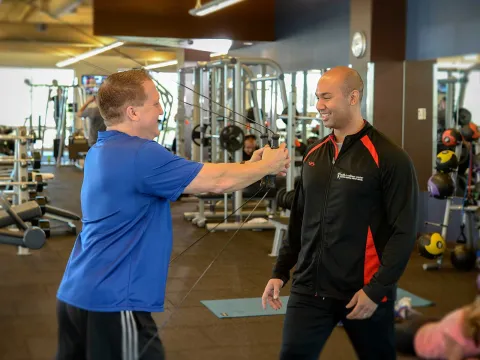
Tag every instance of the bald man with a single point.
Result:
(352, 229)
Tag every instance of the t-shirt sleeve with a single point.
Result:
(163, 174)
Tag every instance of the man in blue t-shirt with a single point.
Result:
(117, 272)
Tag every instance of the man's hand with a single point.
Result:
(272, 294)
(364, 306)
(276, 159)
(257, 156)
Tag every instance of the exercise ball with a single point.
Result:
(451, 137)
(474, 128)
(467, 133)
(431, 245)
(464, 116)
(463, 258)
(446, 161)
(441, 185)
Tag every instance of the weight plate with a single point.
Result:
(231, 138)
(280, 195)
(196, 135)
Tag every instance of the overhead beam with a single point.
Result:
(246, 21)
(139, 47)
(65, 7)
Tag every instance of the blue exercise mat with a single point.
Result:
(232, 308)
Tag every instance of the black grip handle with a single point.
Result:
(269, 180)
(264, 140)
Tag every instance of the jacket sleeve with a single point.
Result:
(290, 248)
(400, 199)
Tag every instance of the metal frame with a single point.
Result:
(244, 82)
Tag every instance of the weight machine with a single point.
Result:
(79, 97)
(166, 99)
(281, 221)
(214, 78)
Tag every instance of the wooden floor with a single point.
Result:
(28, 286)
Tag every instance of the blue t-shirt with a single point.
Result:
(121, 257)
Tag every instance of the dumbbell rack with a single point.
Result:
(19, 173)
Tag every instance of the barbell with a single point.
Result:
(231, 137)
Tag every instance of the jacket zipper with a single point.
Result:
(323, 216)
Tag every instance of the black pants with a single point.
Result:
(88, 335)
(309, 321)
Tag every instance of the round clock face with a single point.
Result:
(359, 44)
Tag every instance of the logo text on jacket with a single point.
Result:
(349, 177)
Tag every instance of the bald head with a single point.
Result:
(339, 93)
(349, 79)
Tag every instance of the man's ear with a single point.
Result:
(132, 113)
(354, 98)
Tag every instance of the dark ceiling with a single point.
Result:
(247, 21)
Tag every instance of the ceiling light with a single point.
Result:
(88, 54)
(160, 65)
(211, 7)
(217, 54)
(248, 43)
(211, 45)
(472, 57)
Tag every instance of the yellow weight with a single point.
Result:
(437, 245)
(445, 156)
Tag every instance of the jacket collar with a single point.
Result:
(349, 138)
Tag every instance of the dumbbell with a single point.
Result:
(42, 202)
(37, 160)
(43, 224)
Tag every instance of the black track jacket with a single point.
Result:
(354, 219)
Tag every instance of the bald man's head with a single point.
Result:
(339, 93)
(350, 79)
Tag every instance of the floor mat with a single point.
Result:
(232, 308)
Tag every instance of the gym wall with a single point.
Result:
(439, 28)
(311, 34)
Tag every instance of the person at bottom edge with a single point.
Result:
(117, 272)
(456, 336)
(351, 231)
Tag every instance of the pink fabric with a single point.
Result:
(430, 339)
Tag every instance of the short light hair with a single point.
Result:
(120, 90)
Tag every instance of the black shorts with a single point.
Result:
(126, 335)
